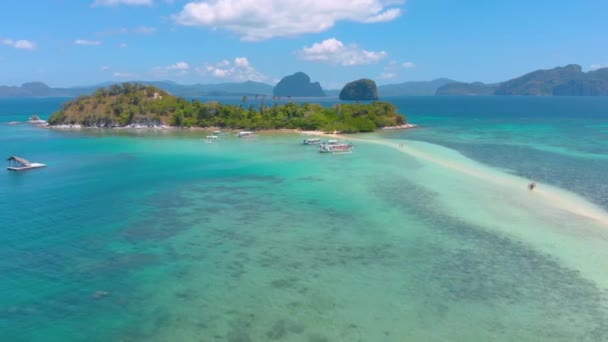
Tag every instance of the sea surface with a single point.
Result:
(428, 234)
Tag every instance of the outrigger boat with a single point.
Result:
(333, 146)
(311, 141)
(20, 164)
(211, 139)
(245, 134)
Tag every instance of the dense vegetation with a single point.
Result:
(360, 90)
(126, 104)
(298, 85)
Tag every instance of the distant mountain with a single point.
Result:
(39, 89)
(422, 88)
(332, 92)
(360, 90)
(569, 80)
(221, 89)
(541, 82)
(460, 88)
(298, 85)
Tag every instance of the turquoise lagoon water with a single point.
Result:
(266, 239)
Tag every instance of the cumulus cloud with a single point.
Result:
(408, 65)
(87, 42)
(265, 19)
(333, 51)
(177, 69)
(122, 2)
(179, 66)
(20, 44)
(240, 69)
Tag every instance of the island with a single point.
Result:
(569, 80)
(298, 85)
(137, 105)
(461, 88)
(360, 90)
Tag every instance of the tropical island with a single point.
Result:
(360, 90)
(136, 104)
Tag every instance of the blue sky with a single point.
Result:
(84, 42)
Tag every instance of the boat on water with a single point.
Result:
(219, 133)
(335, 147)
(311, 141)
(21, 164)
(211, 139)
(245, 134)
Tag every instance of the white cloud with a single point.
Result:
(240, 69)
(388, 75)
(598, 66)
(105, 68)
(333, 51)
(20, 44)
(177, 69)
(87, 42)
(179, 66)
(388, 15)
(408, 65)
(122, 2)
(264, 19)
(122, 74)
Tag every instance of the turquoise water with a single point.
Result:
(266, 239)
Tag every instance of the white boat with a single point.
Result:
(219, 133)
(20, 164)
(244, 134)
(335, 147)
(311, 141)
(211, 139)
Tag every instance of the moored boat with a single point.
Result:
(311, 141)
(20, 164)
(244, 134)
(335, 147)
(211, 139)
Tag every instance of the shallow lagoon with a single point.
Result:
(266, 239)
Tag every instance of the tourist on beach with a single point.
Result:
(531, 186)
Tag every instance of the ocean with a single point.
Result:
(428, 234)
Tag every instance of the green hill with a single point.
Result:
(360, 90)
(129, 104)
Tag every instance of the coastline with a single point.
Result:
(211, 129)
